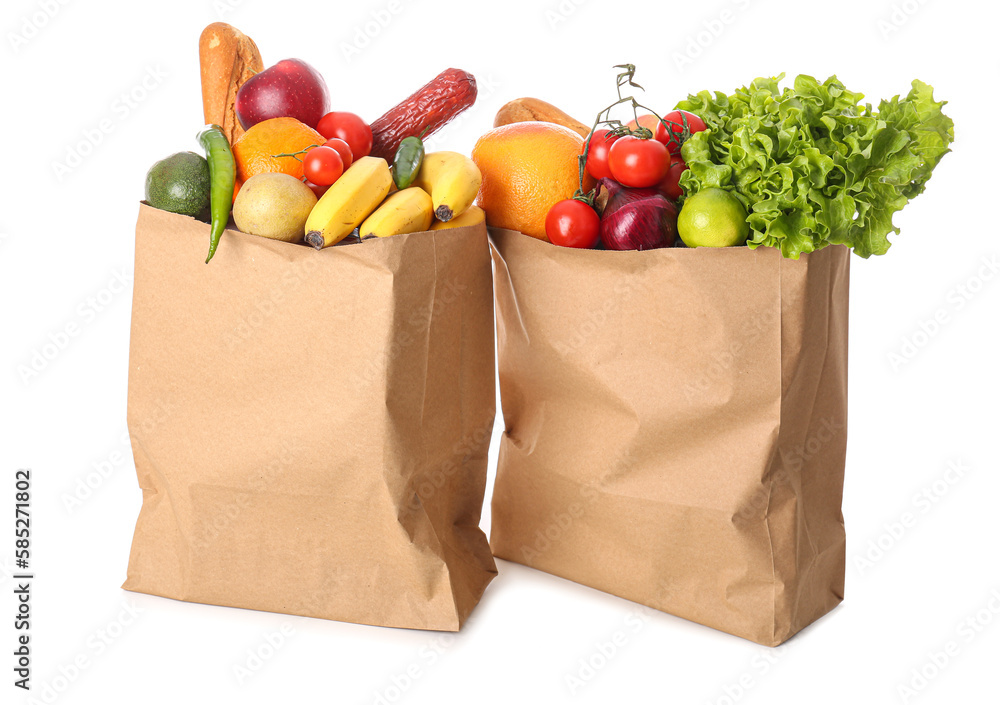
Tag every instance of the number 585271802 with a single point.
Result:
(22, 518)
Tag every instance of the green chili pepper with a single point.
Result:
(406, 163)
(222, 172)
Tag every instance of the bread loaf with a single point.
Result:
(228, 59)
(535, 110)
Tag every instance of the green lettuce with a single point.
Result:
(811, 165)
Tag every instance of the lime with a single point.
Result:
(713, 218)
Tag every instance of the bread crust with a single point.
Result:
(533, 109)
(228, 59)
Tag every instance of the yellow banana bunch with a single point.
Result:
(473, 215)
(406, 211)
(346, 204)
(452, 180)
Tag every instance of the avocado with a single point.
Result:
(179, 184)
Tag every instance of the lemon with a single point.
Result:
(713, 218)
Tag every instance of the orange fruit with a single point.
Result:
(256, 149)
(527, 168)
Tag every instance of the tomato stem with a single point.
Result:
(625, 78)
(617, 128)
(678, 138)
(294, 155)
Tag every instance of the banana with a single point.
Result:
(347, 203)
(452, 180)
(473, 215)
(406, 211)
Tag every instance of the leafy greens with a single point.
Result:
(811, 165)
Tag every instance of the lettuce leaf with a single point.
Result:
(811, 164)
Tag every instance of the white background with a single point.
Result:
(65, 237)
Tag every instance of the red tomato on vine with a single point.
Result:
(670, 185)
(682, 125)
(638, 163)
(597, 156)
(322, 165)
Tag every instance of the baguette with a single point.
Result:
(228, 59)
(535, 110)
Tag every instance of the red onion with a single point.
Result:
(637, 218)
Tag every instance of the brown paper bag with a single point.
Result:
(676, 427)
(310, 429)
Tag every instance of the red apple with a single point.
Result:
(290, 88)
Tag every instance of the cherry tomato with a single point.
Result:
(573, 223)
(343, 149)
(597, 158)
(682, 125)
(638, 163)
(670, 186)
(322, 165)
(316, 188)
(350, 128)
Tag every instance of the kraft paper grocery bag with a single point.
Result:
(310, 429)
(676, 427)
